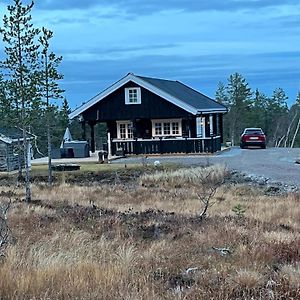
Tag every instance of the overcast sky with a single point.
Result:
(198, 42)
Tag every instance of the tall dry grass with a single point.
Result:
(66, 247)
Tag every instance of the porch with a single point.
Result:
(165, 145)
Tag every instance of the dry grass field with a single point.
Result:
(130, 235)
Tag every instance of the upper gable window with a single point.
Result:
(133, 96)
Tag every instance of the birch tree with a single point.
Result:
(296, 107)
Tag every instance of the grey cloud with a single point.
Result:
(118, 50)
(136, 7)
(288, 21)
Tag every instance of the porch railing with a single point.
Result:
(168, 145)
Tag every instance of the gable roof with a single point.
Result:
(173, 91)
(9, 135)
(185, 93)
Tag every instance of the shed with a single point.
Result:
(11, 148)
(78, 149)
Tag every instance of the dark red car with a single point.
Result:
(253, 137)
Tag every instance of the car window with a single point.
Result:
(253, 131)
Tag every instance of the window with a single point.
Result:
(175, 128)
(158, 129)
(166, 128)
(132, 95)
(125, 130)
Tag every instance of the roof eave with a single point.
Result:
(212, 110)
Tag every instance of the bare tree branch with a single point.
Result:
(207, 189)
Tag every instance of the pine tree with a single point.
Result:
(258, 112)
(49, 87)
(221, 94)
(64, 114)
(21, 66)
(239, 103)
(277, 118)
(5, 105)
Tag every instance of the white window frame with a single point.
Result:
(200, 127)
(128, 134)
(170, 122)
(211, 124)
(128, 101)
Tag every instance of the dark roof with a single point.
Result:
(173, 91)
(184, 93)
(13, 133)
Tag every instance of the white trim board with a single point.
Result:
(131, 77)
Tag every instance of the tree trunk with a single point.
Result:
(295, 134)
(49, 154)
(289, 130)
(27, 170)
(19, 161)
(275, 136)
(280, 141)
(23, 120)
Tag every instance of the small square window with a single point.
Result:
(132, 96)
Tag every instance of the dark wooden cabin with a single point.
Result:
(152, 116)
(11, 148)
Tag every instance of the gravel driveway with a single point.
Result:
(274, 164)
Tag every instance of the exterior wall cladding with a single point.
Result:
(113, 107)
(9, 161)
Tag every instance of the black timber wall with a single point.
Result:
(113, 108)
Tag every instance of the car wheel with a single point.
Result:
(263, 147)
(242, 146)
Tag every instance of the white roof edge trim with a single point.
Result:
(21, 139)
(142, 83)
(5, 140)
(100, 96)
(213, 110)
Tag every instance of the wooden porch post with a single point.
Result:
(92, 137)
(83, 130)
(109, 145)
(221, 127)
(211, 124)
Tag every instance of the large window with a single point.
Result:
(124, 130)
(166, 128)
(133, 96)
